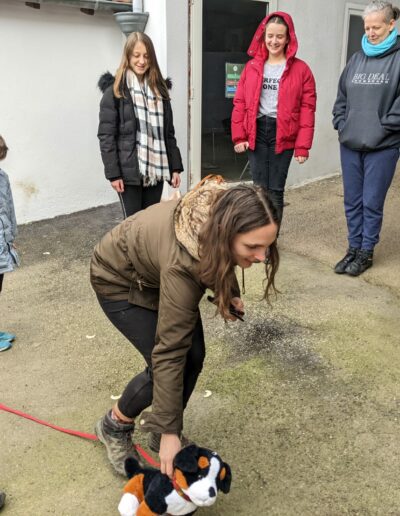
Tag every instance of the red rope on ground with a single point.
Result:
(76, 433)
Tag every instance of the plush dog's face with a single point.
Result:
(201, 473)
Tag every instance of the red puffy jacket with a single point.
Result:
(296, 96)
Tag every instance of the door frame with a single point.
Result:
(195, 85)
(350, 9)
(195, 89)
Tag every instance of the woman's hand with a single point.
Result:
(169, 447)
(175, 180)
(238, 305)
(301, 159)
(241, 147)
(118, 185)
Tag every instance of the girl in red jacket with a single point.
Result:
(274, 106)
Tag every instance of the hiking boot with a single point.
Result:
(117, 438)
(155, 441)
(340, 267)
(361, 263)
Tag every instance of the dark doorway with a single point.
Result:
(228, 28)
(356, 32)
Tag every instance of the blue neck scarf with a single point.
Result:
(376, 50)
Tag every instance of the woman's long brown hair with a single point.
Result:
(237, 210)
(153, 74)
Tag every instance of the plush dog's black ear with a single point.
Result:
(225, 478)
(131, 467)
(186, 459)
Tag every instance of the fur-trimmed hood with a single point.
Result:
(107, 79)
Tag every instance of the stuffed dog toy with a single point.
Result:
(199, 474)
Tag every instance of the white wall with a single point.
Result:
(319, 27)
(178, 69)
(51, 60)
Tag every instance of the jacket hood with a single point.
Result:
(107, 79)
(257, 48)
(194, 209)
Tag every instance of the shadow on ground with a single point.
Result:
(304, 398)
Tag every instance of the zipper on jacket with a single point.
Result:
(142, 284)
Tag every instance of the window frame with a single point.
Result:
(351, 9)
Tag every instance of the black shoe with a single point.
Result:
(2, 499)
(361, 263)
(340, 267)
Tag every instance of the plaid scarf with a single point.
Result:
(150, 144)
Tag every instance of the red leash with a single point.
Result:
(90, 437)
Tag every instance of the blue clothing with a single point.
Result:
(366, 179)
(8, 226)
(376, 50)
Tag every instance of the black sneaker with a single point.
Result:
(2, 499)
(340, 267)
(117, 438)
(361, 263)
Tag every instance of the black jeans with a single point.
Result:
(138, 325)
(269, 169)
(137, 197)
(1, 281)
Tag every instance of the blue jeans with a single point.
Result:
(269, 169)
(366, 179)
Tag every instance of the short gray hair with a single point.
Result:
(390, 12)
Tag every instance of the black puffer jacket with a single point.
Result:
(117, 134)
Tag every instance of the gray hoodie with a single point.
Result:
(367, 108)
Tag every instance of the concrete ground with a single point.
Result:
(305, 395)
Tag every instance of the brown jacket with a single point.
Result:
(150, 259)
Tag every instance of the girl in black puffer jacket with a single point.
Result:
(136, 130)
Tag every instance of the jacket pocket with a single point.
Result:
(362, 129)
(143, 293)
(128, 153)
(294, 124)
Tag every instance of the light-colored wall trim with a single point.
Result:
(273, 6)
(177, 45)
(350, 9)
(195, 89)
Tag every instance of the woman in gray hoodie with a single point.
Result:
(366, 115)
(8, 231)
